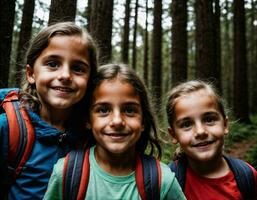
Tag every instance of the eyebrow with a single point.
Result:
(47, 57)
(107, 103)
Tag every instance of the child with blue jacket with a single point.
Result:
(61, 61)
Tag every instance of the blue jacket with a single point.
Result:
(50, 145)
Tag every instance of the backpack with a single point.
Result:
(76, 176)
(17, 144)
(242, 172)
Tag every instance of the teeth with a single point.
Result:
(63, 89)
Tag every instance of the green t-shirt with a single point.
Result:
(105, 186)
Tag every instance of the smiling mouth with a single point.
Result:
(63, 89)
(203, 144)
(117, 134)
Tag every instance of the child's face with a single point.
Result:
(116, 117)
(199, 126)
(61, 72)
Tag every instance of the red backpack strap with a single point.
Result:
(21, 133)
(76, 175)
(148, 177)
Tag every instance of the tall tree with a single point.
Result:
(157, 54)
(88, 13)
(240, 98)
(134, 45)
(7, 11)
(101, 27)
(24, 37)
(227, 73)
(179, 41)
(217, 45)
(125, 40)
(205, 56)
(253, 61)
(62, 10)
(146, 45)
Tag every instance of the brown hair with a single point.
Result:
(28, 95)
(126, 74)
(187, 88)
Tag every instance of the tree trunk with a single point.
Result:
(253, 61)
(88, 13)
(240, 64)
(217, 46)
(62, 10)
(7, 11)
(24, 37)
(146, 46)
(157, 55)
(205, 56)
(125, 41)
(179, 41)
(227, 73)
(101, 27)
(134, 45)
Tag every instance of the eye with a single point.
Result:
(210, 119)
(185, 124)
(102, 110)
(81, 69)
(130, 110)
(52, 64)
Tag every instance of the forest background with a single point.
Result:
(165, 41)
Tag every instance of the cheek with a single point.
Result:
(184, 138)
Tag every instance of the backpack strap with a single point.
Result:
(148, 177)
(179, 167)
(21, 134)
(244, 177)
(76, 174)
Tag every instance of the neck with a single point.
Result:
(115, 164)
(56, 118)
(215, 168)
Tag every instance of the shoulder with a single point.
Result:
(54, 188)
(170, 188)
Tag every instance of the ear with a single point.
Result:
(173, 135)
(226, 126)
(30, 74)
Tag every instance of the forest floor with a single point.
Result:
(240, 149)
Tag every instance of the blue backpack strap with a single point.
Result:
(76, 174)
(244, 177)
(179, 167)
(148, 177)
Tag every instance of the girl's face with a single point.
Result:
(61, 73)
(199, 127)
(116, 117)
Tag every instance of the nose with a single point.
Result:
(200, 129)
(117, 119)
(65, 73)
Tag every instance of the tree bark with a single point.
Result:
(24, 37)
(205, 56)
(157, 55)
(7, 11)
(240, 64)
(146, 46)
(101, 28)
(62, 10)
(134, 45)
(179, 41)
(125, 41)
